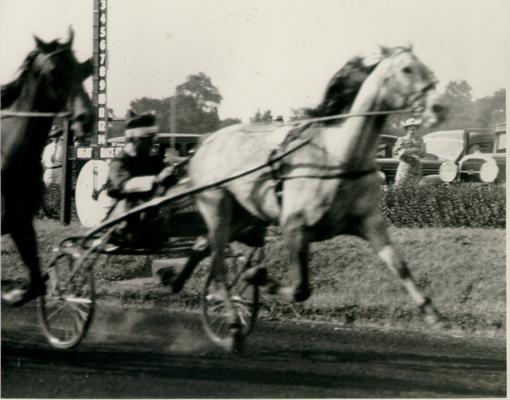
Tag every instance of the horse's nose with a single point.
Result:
(83, 122)
(440, 110)
(435, 111)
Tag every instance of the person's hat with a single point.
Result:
(55, 131)
(412, 122)
(141, 126)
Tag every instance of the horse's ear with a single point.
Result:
(86, 68)
(70, 31)
(41, 44)
(385, 51)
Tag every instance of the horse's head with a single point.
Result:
(62, 77)
(408, 83)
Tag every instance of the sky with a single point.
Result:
(263, 54)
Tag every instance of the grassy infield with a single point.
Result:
(462, 269)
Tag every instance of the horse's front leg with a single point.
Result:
(297, 243)
(373, 228)
(23, 235)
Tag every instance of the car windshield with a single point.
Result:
(450, 149)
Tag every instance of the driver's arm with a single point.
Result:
(140, 184)
(119, 181)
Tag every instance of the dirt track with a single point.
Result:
(154, 353)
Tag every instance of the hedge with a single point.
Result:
(456, 205)
(441, 206)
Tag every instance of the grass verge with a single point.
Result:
(462, 269)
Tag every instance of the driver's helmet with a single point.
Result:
(139, 126)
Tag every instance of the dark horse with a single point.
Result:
(50, 80)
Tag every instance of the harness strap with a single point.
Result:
(342, 174)
(276, 164)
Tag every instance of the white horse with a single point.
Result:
(328, 187)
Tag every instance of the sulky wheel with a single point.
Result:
(245, 298)
(67, 308)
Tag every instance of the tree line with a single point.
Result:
(194, 108)
(463, 110)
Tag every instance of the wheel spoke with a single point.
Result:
(216, 307)
(79, 311)
(76, 322)
(63, 305)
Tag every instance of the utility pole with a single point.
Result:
(173, 119)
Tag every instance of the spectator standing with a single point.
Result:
(409, 149)
(52, 175)
(52, 157)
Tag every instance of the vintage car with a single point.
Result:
(483, 159)
(388, 163)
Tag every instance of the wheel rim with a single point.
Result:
(68, 305)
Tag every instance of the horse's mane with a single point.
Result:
(342, 88)
(12, 90)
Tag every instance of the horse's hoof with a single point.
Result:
(272, 288)
(177, 286)
(297, 295)
(256, 276)
(167, 276)
(233, 343)
(18, 297)
(432, 317)
(438, 323)
(216, 296)
(302, 295)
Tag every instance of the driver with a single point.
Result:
(134, 176)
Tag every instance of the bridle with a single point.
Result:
(410, 100)
(308, 121)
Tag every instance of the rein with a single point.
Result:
(345, 116)
(30, 114)
(159, 201)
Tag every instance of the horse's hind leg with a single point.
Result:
(373, 229)
(24, 237)
(200, 251)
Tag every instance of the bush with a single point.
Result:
(441, 206)
(467, 205)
